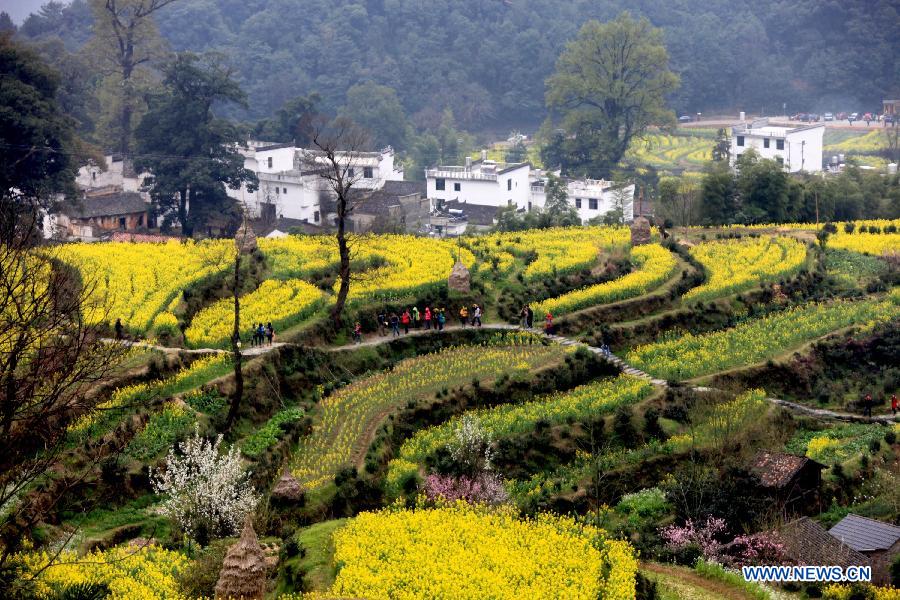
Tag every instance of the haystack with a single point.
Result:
(460, 279)
(243, 573)
(288, 489)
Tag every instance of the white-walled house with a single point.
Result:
(482, 182)
(797, 148)
(591, 197)
(289, 184)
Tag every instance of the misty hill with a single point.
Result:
(488, 59)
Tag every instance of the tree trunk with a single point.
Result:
(236, 346)
(344, 253)
(186, 229)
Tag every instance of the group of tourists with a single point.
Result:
(526, 319)
(429, 318)
(262, 334)
(867, 403)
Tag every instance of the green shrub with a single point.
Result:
(210, 402)
(161, 432)
(268, 435)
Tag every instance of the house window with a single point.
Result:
(316, 216)
(779, 144)
(457, 187)
(577, 202)
(350, 172)
(766, 143)
(508, 184)
(122, 222)
(270, 162)
(284, 190)
(276, 190)
(592, 203)
(440, 184)
(367, 172)
(779, 160)
(740, 140)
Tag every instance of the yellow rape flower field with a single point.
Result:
(462, 552)
(130, 573)
(654, 264)
(282, 303)
(337, 439)
(733, 266)
(134, 282)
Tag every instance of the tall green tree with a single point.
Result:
(557, 208)
(377, 109)
(191, 153)
(37, 141)
(764, 190)
(293, 123)
(610, 84)
(718, 196)
(125, 44)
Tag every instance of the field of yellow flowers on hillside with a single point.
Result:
(461, 552)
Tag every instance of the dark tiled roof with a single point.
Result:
(807, 543)
(389, 195)
(283, 224)
(477, 214)
(507, 167)
(107, 205)
(864, 534)
(777, 469)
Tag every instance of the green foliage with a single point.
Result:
(610, 84)
(161, 432)
(83, 591)
(268, 435)
(210, 402)
(647, 505)
(377, 109)
(717, 572)
(180, 123)
(36, 139)
(293, 122)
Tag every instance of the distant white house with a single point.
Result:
(590, 197)
(479, 185)
(797, 148)
(483, 182)
(290, 186)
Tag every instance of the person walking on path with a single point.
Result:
(270, 332)
(894, 406)
(119, 329)
(476, 316)
(867, 405)
(381, 320)
(441, 319)
(463, 315)
(548, 324)
(427, 317)
(405, 319)
(523, 317)
(529, 319)
(395, 325)
(415, 317)
(357, 332)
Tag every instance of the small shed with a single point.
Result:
(877, 540)
(793, 480)
(806, 543)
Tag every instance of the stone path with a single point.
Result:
(376, 340)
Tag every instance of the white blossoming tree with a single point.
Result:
(208, 493)
(472, 447)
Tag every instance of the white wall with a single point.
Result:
(804, 150)
(511, 188)
(282, 160)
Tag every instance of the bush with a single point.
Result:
(268, 435)
(199, 581)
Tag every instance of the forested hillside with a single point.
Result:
(488, 59)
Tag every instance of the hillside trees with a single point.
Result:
(37, 141)
(125, 43)
(377, 109)
(610, 84)
(190, 153)
(292, 123)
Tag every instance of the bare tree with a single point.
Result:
(339, 147)
(51, 362)
(125, 39)
(892, 142)
(245, 243)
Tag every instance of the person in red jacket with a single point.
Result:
(427, 317)
(894, 405)
(406, 319)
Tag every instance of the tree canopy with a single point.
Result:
(190, 153)
(610, 84)
(37, 141)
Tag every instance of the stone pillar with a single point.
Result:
(460, 280)
(640, 231)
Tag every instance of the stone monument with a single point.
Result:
(460, 280)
